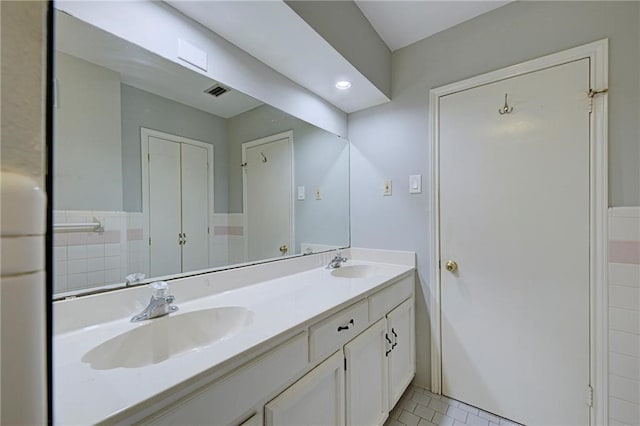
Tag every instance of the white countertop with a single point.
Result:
(83, 395)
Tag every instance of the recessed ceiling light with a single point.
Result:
(343, 85)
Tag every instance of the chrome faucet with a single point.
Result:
(336, 261)
(159, 305)
(134, 278)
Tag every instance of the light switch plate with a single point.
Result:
(301, 193)
(415, 184)
(387, 187)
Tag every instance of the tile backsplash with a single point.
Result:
(85, 259)
(624, 315)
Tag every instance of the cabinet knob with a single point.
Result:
(451, 266)
(284, 249)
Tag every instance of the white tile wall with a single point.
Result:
(624, 316)
(89, 259)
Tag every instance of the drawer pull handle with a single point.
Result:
(346, 327)
(395, 339)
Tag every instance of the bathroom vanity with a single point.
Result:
(287, 342)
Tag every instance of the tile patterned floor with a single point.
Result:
(419, 407)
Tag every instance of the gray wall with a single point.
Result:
(321, 159)
(144, 109)
(87, 160)
(392, 140)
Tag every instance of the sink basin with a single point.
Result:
(165, 337)
(354, 271)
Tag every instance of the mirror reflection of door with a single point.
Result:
(178, 203)
(268, 196)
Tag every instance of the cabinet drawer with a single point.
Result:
(329, 335)
(224, 401)
(385, 300)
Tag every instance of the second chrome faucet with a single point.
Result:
(337, 261)
(159, 305)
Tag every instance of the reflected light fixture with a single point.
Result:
(343, 85)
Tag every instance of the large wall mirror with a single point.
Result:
(161, 171)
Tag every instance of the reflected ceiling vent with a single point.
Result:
(217, 90)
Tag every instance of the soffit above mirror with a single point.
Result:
(160, 29)
(274, 34)
(144, 70)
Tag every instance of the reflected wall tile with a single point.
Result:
(95, 278)
(76, 252)
(76, 281)
(60, 253)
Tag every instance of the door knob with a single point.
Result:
(284, 249)
(451, 266)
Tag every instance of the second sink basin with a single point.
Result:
(165, 337)
(354, 271)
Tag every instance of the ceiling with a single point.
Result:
(272, 32)
(401, 23)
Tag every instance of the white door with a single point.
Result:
(195, 208)
(402, 360)
(316, 399)
(514, 212)
(179, 193)
(367, 377)
(164, 207)
(268, 197)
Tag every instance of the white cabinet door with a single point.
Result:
(164, 207)
(195, 208)
(367, 377)
(402, 360)
(230, 399)
(316, 399)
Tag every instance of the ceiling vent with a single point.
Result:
(217, 90)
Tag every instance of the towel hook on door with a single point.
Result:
(506, 109)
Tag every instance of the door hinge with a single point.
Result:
(439, 264)
(345, 364)
(590, 396)
(149, 240)
(208, 230)
(592, 94)
(148, 156)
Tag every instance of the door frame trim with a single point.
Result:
(145, 133)
(597, 52)
(253, 143)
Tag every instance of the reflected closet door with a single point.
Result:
(164, 207)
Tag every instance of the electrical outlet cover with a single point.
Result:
(387, 187)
